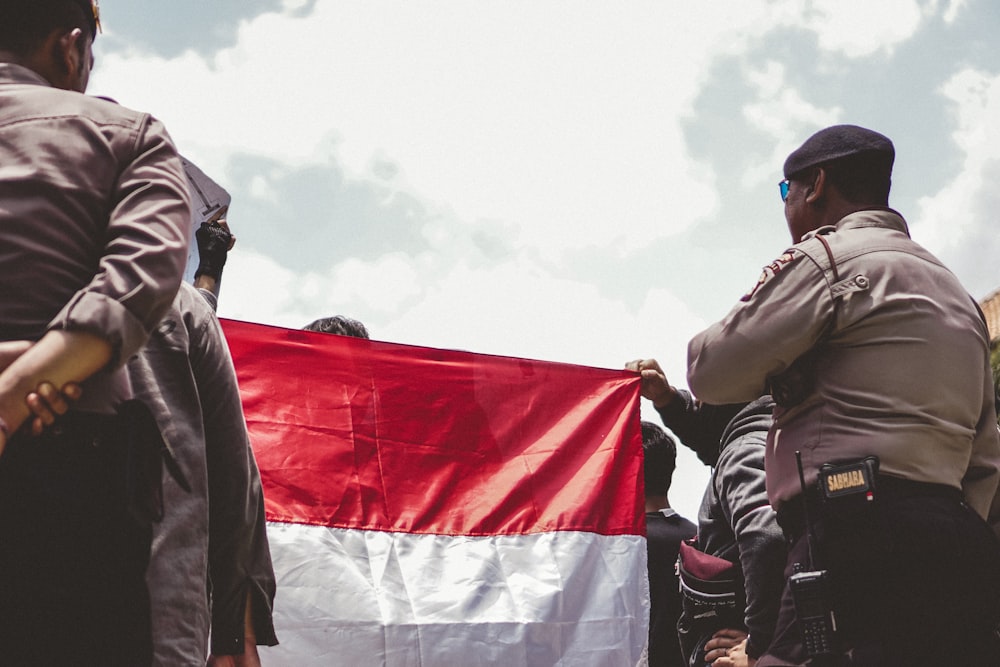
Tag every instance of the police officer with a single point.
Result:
(94, 220)
(878, 360)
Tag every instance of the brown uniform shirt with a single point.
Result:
(901, 367)
(94, 221)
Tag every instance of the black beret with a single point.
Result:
(838, 142)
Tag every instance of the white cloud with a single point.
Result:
(258, 289)
(560, 120)
(512, 308)
(262, 189)
(959, 221)
(516, 308)
(858, 28)
(384, 285)
(781, 113)
(255, 288)
(953, 9)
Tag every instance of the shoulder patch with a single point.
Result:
(771, 270)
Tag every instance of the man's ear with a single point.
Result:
(67, 57)
(72, 47)
(816, 191)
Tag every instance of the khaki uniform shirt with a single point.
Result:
(94, 221)
(901, 363)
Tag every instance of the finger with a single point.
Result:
(53, 397)
(715, 654)
(39, 408)
(218, 215)
(720, 643)
(72, 391)
(731, 633)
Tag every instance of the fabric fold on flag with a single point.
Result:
(433, 507)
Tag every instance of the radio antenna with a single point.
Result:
(805, 510)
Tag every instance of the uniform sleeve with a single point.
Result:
(979, 486)
(239, 557)
(740, 488)
(771, 327)
(145, 249)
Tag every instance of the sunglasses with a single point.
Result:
(96, 8)
(783, 189)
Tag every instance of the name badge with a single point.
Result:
(849, 479)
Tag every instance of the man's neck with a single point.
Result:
(11, 58)
(837, 208)
(28, 62)
(657, 503)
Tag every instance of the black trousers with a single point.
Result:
(915, 582)
(73, 552)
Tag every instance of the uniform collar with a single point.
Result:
(874, 217)
(885, 218)
(19, 74)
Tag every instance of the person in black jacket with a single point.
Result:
(665, 530)
(735, 521)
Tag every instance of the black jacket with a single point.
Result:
(735, 521)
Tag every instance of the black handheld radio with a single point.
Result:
(810, 588)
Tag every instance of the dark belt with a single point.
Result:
(792, 514)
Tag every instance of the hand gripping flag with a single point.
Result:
(440, 508)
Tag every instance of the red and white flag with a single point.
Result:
(440, 508)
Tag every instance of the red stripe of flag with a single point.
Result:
(352, 433)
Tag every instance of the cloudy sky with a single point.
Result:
(587, 182)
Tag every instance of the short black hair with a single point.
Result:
(660, 459)
(862, 178)
(24, 24)
(340, 325)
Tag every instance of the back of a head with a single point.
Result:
(858, 162)
(340, 325)
(25, 24)
(660, 459)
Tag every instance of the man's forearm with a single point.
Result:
(60, 357)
